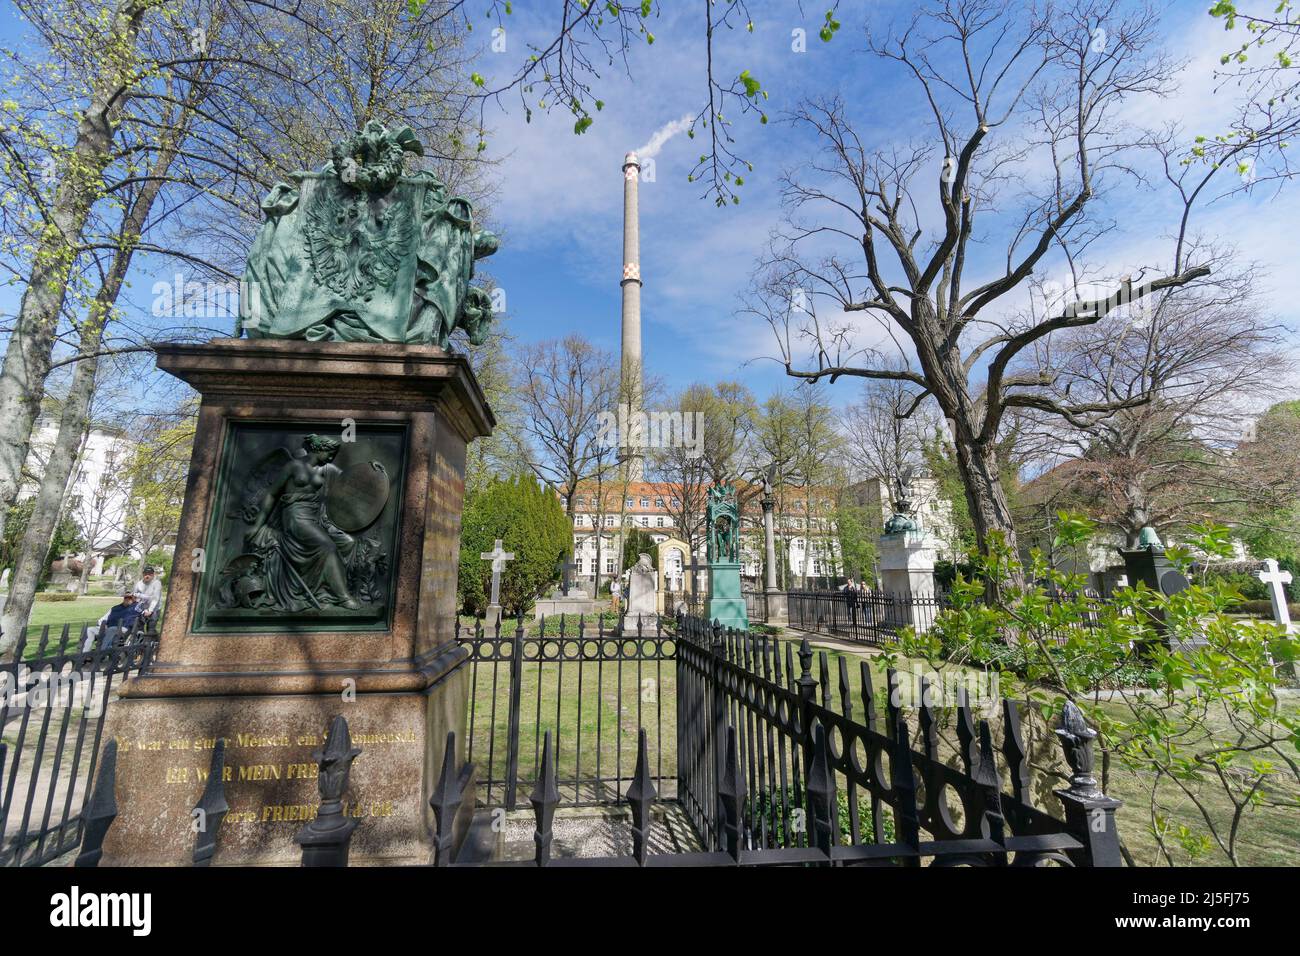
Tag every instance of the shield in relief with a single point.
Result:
(357, 496)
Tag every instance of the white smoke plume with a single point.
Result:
(662, 135)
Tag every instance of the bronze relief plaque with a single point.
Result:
(304, 528)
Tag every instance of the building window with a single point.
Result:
(609, 521)
(629, 503)
(645, 502)
(609, 565)
(676, 503)
(659, 522)
(577, 520)
(645, 522)
(659, 502)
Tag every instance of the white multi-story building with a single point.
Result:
(930, 510)
(655, 508)
(97, 499)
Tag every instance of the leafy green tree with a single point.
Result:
(1268, 518)
(1200, 731)
(530, 522)
(857, 527)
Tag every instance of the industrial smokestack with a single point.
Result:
(632, 385)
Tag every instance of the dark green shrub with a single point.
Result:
(530, 522)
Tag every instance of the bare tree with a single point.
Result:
(565, 387)
(886, 430)
(1204, 359)
(714, 449)
(1026, 116)
(191, 107)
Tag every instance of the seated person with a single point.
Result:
(118, 622)
(148, 594)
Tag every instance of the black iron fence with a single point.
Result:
(755, 606)
(590, 687)
(875, 617)
(770, 769)
(54, 696)
(767, 761)
(872, 617)
(685, 602)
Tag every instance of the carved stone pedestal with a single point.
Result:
(573, 604)
(778, 607)
(907, 572)
(726, 601)
(312, 578)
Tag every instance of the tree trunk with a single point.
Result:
(977, 464)
(46, 510)
(31, 344)
(977, 458)
(75, 416)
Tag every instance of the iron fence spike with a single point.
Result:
(731, 792)
(821, 791)
(545, 797)
(212, 807)
(641, 795)
(326, 838)
(445, 802)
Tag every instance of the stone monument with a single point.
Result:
(907, 558)
(566, 599)
(642, 599)
(318, 549)
(1149, 564)
(722, 529)
(499, 558)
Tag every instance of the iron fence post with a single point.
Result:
(807, 687)
(512, 736)
(718, 649)
(1089, 813)
(325, 839)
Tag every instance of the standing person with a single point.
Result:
(615, 589)
(148, 592)
(118, 621)
(851, 599)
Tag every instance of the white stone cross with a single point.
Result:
(498, 559)
(1274, 577)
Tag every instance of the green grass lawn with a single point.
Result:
(79, 611)
(593, 709)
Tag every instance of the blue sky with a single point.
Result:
(559, 205)
(561, 194)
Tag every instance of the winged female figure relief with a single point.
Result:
(304, 556)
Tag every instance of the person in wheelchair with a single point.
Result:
(117, 624)
(148, 597)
